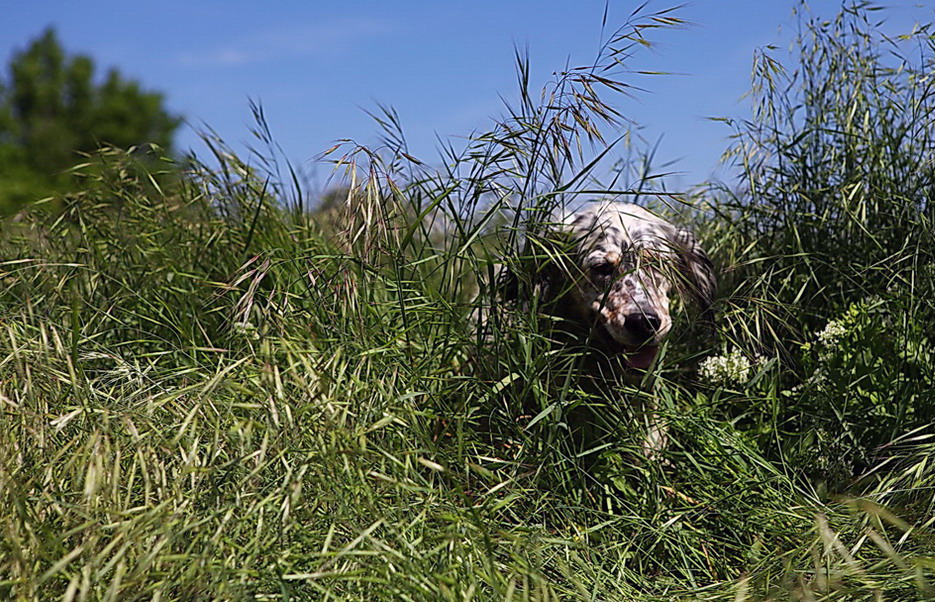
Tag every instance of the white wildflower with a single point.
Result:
(732, 367)
(819, 378)
(834, 331)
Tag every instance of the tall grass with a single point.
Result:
(835, 205)
(211, 392)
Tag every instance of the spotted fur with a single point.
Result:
(627, 262)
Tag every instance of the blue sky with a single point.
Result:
(317, 66)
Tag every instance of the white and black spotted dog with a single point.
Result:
(626, 262)
(611, 287)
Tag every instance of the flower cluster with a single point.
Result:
(834, 331)
(731, 367)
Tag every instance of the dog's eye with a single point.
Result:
(602, 269)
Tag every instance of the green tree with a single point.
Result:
(52, 109)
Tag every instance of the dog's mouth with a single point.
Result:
(639, 357)
(642, 357)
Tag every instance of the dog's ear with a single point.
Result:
(532, 276)
(504, 283)
(697, 279)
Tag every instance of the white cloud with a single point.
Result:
(314, 40)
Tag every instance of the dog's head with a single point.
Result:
(628, 261)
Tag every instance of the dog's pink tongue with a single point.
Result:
(643, 357)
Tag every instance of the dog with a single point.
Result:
(627, 263)
(609, 281)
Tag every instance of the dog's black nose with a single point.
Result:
(643, 326)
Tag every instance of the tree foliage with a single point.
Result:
(53, 107)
